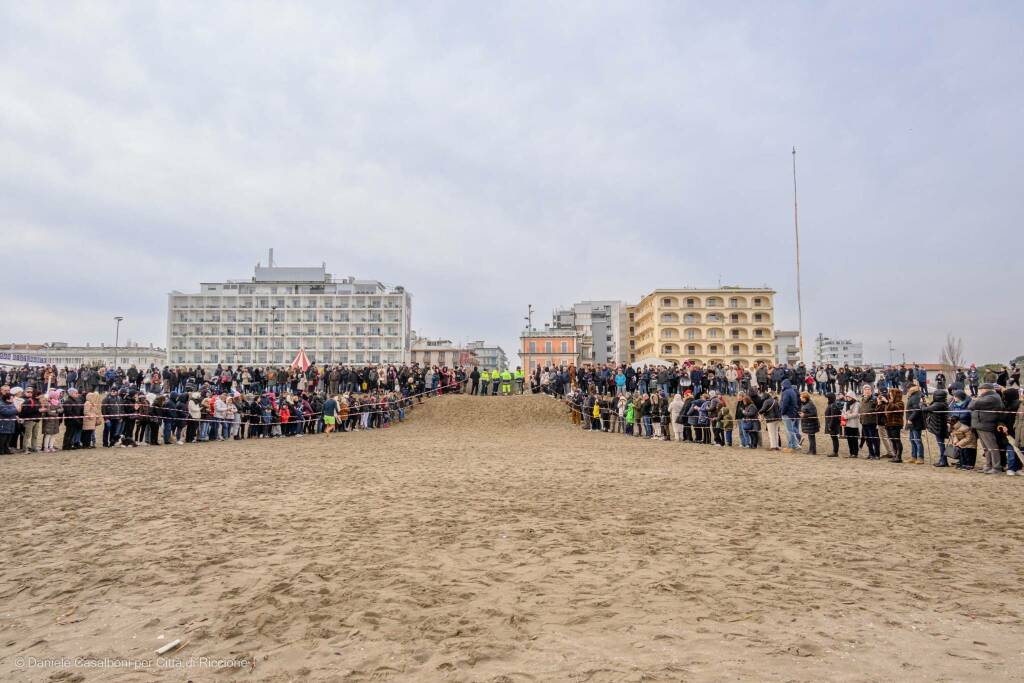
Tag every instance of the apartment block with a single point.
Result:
(266, 319)
(722, 325)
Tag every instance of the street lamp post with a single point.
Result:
(796, 230)
(117, 337)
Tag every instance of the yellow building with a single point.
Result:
(722, 325)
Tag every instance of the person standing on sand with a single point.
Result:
(833, 422)
(809, 423)
(851, 424)
(869, 421)
(984, 419)
(750, 424)
(893, 410)
(674, 409)
(330, 413)
(8, 417)
(789, 406)
(772, 415)
(937, 422)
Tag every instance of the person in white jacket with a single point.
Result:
(674, 408)
(851, 423)
(220, 413)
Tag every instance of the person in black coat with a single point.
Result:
(74, 409)
(937, 422)
(809, 423)
(833, 422)
(1005, 432)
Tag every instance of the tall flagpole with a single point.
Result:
(796, 229)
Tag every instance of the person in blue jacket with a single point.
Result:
(789, 406)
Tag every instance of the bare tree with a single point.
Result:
(952, 354)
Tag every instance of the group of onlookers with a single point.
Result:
(730, 380)
(874, 420)
(177, 406)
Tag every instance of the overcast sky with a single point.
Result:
(491, 155)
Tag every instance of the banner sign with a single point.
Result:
(9, 357)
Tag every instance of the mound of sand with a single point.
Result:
(488, 540)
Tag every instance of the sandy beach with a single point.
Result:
(486, 539)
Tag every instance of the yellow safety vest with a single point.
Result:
(485, 376)
(506, 376)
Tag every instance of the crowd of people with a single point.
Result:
(45, 408)
(976, 423)
(730, 380)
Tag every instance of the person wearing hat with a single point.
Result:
(30, 415)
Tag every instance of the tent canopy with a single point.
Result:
(301, 362)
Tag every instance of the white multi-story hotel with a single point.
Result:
(267, 319)
(838, 352)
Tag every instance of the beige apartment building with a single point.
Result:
(724, 325)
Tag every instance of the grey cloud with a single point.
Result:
(492, 156)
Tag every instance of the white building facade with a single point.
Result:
(488, 357)
(787, 348)
(266, 320)
(63, 355)
(838, 352)
(441, 353)
(603, 327)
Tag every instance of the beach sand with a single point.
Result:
(486, 539)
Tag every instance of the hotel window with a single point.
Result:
(691, 303)
(565, 347)
(547, 347)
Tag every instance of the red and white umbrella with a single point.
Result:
(301, 361)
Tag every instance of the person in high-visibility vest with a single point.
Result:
(485, 380)
(520, 379)
(495, 381)
(506, 382)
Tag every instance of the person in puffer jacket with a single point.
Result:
(985, 412)
(936, 419)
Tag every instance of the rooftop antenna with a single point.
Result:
(270, 258)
